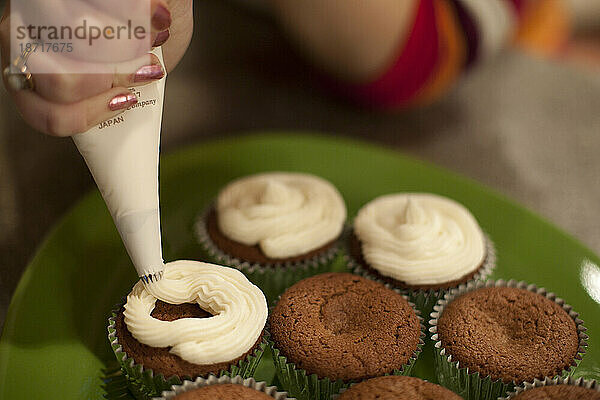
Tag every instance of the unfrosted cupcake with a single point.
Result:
(490, 337)
(276, 227)
(557, 389)
(336, 328)
(421, 243)
(397, 387)
(223, 388)
(199, 319)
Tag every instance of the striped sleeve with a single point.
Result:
(412, 68)
(449, 36)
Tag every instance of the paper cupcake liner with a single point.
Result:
(470, 385)
(114, 383)
(262, 387)
(304, 386)
(588, 384)
(423, 299)
(272, 278)
(144, 383)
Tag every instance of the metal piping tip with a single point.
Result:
(152, 278)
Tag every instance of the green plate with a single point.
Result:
(54, 343)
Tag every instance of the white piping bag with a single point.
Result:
(122, 155)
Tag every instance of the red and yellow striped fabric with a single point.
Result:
(450, 36)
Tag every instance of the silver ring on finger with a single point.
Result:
(17, 73)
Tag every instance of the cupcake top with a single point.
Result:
(160, 359)
(227, 391)
(419, 238)
(397, 387)
(343, 326)
(559, 392)
(508, 333)
(238, 312)
(286, 214)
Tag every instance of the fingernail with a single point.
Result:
(161, 19)
(161, 38)
(149, 73)
(122, 101)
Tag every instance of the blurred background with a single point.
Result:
(525, 126)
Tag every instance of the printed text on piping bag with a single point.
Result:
(123, 158)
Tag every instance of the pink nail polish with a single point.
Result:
(161, 38)
(122, 102)
(161, 19)
(149, 73)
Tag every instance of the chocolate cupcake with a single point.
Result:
(209, 320)
(421, 243)
(557, 389)
(276, 227)
(223, 388)
(333, 329)
(490, 337)
(397, 387)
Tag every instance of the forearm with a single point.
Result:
(355, 40)
(398, 53)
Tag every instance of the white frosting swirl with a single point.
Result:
(238, 307)
(286, 214)
(419, 238)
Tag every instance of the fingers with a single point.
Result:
(64, 104)
(157, 10)
(72, 88)
(160, 38)
(117, 30)
(160, 22)
(180, 32)
(142, 75)
(160, 16)
(69, 119)
(66, 88)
